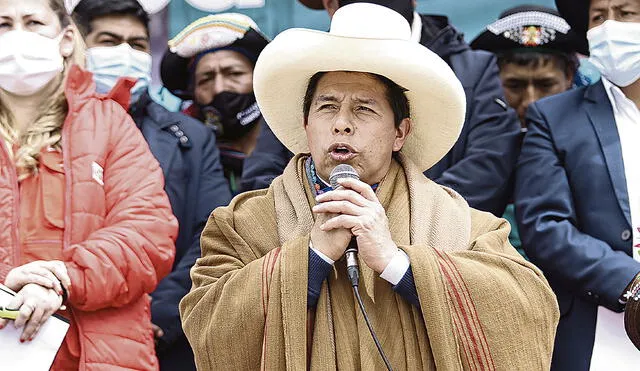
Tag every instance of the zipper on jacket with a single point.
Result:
(15, 223)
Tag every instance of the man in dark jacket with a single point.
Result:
(577, 192)
(481, 163)
(117, 35)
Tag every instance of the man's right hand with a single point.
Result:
(331, 243)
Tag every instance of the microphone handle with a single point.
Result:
(351, 255)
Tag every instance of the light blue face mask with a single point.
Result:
(110, 63)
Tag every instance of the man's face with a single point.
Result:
(224, 70)
(113, 30)
(524, 85)
(615, 10)
(351, 121)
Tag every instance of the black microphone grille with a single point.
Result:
(340, 172)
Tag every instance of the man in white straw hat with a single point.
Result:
(442, 286)
(479, 166)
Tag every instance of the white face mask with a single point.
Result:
(615, 51)
(109, 63)
(28, 61)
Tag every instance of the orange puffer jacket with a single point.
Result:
(119, 230)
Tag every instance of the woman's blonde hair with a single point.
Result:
(46, 130)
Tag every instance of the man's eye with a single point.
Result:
(363, 109)
(514, 86)
(328, 107)
(34, 23)
(597, 18)
(203, 81)
(140, 47)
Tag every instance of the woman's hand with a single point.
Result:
(49, 274)
(36, 304)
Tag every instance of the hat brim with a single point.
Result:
(576, 13)
(436, 96)
(491, 42)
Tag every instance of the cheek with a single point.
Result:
(246, 85)
(513, 97)
(202, 94)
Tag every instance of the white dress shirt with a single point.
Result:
(612, 348)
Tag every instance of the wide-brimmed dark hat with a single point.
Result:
(530, 27)
(227, 30)
(576, 12)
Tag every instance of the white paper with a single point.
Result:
(612, 349)
(34, 355)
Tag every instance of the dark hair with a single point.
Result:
(88, 10)
(394, 93)
(568, 62)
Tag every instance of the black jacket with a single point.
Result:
(481, 163)
(195, 184)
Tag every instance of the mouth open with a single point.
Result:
(342, 152)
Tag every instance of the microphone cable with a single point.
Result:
(354, 275)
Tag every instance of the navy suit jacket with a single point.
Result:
(195, 185)
(572, 209)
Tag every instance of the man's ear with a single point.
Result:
(331, 6)
(67, 43)
(402, 133)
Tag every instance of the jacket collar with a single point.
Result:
(602, 119)
(147, 107)
(441, 37)
(80, 87)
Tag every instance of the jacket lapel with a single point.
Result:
(600, 113)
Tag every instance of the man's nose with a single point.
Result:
(343, 123)
(218, 85)
(530, 95)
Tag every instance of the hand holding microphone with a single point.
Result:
(354, 207)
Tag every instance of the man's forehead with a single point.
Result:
(124, 26)
(603, 4)
(364, 84)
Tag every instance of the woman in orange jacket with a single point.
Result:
(84, 220)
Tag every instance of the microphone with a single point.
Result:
(343, 171)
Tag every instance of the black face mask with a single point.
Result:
(404, 7)
(231, 115)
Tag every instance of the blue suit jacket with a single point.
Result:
(195, 185)
(573, 213)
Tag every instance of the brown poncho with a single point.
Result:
(483, 307)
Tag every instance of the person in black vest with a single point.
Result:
(117, 34)
(480, 165)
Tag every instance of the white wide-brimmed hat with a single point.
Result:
(363, 38)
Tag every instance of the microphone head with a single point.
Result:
(340, 172)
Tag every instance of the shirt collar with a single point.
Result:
(416, 27)
(614, 93)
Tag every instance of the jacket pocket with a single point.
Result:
(52, 187)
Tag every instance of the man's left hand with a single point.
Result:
(361, 212)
